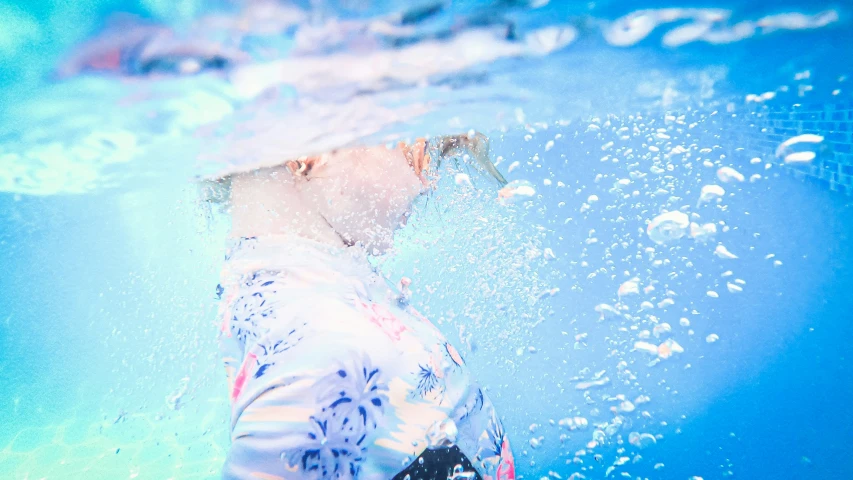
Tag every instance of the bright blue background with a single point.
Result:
(94, 284)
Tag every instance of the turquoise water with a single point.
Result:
(109, 361)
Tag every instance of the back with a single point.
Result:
(333, 375)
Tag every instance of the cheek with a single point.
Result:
(396, 198)
(375, 194)
(401, 186)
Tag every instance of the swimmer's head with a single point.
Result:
(363, 193)
(366, 193)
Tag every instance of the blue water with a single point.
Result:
(107, 296)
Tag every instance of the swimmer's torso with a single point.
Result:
(333, 375)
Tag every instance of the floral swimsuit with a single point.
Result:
(333, 375)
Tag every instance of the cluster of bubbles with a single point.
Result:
(663, 202)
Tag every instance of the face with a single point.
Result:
(365, 193)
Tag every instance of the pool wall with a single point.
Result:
(833, 165)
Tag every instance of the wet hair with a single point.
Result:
(475, 144)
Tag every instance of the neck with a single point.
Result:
(265, 202)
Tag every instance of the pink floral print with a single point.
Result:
(242, 375)
(384, 319)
